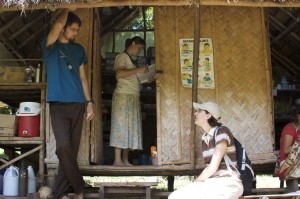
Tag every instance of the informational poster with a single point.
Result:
(205, 66)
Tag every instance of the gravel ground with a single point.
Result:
(262, 181)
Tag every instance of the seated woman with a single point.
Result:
(288, 155)
(216, 180)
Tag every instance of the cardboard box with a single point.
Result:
(8, 125)
(12, 74)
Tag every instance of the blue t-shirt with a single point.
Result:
(62, 68)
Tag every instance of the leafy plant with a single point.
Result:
(138, 22)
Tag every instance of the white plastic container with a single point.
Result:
(31, 180)
(10, 182)
(37, 73)
(29, 109)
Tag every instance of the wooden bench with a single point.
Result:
(125, 188)
(292, 196)
(265, 193)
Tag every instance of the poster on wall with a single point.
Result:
(205, 66)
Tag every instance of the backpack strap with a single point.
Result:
(244, 160)
(245, 164)
(230, 163)
(227, 160)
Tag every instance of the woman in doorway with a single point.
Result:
(216, 180)
(126, 121)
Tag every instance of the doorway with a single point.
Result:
(117, 25)
(284, 45)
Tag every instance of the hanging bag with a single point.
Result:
(286, 169)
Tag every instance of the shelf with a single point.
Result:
(288, 90)
(13, 93)
(108, 73)
(22, 84)
(286, 120)
(7, 140)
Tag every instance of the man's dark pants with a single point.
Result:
(66, 121)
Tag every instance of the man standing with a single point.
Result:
(68, 94)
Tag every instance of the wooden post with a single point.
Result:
(291, 185)
(170, 183)
(195, 79)
(97, 125)
(101, 192)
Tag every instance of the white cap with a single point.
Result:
(211, 107)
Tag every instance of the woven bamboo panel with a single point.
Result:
(50, 140)
(185, 30)
(241, 74)
(166, 52)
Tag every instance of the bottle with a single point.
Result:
(37, 72)
(31, 180)
(10, 182)
(28, 73)
(153, 151)
(23, 180)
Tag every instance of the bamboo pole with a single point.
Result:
(195, 80)
(97, 125)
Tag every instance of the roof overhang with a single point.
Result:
(111, 3)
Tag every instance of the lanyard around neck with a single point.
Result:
(129, 57)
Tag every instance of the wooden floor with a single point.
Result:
(164, 170)
(155, 194)
(147, 170)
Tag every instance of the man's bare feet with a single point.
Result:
(65, 197)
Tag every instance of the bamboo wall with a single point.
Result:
(242, 75)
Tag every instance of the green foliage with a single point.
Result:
(138, 23)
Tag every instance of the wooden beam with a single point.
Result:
(127, 17)
(286, 11)
(278, 69)
(21, 156)
(287, 63)
(8, 24)
(33, 35)
(97, 124)
(281, 27)
(28, 25)
(286, 30)
(110, 3)
(120, 20)
(12, 48)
